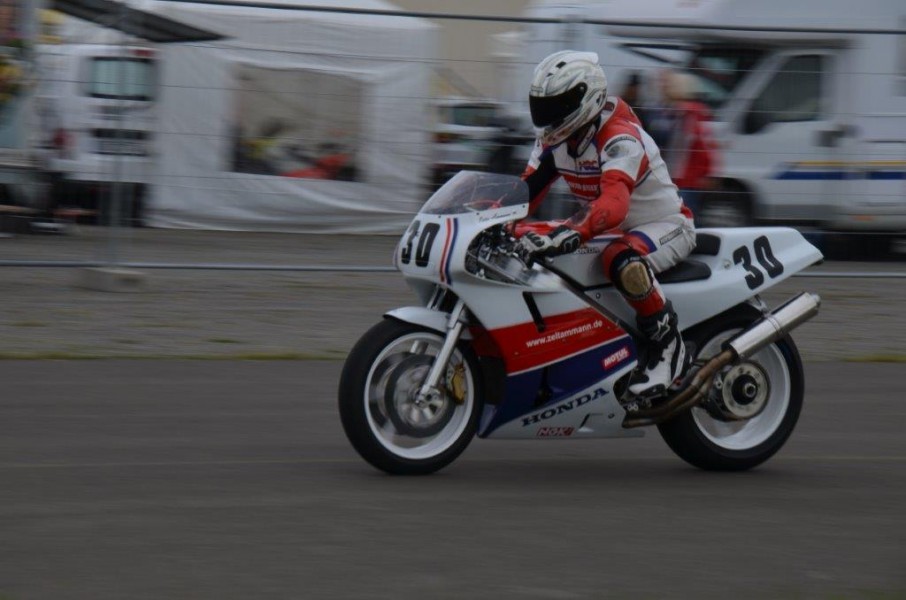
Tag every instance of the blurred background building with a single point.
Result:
(470, 48)
(344, 120)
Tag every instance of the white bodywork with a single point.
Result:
(434, 252)
(697, 301)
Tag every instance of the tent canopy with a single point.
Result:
(295, 121)
(138, 23)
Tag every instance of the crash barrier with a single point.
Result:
(340, 120)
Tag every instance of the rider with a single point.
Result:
(597, 144)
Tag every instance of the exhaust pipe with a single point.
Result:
(698, 383)
(774, 326)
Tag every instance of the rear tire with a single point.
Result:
(713, 444)
(376, 400)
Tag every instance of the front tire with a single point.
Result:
(708, 442)
(377, 400)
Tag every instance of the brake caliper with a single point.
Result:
(457, 383)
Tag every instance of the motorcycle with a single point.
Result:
(503, 347)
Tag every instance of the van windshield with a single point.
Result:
(718, 70)
(121, 78)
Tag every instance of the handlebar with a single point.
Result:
(496, 255)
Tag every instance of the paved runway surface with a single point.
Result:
(195, 479)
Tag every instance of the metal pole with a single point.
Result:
(116, 186)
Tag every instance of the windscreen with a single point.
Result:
(718, 70)
(122, 78)
(470, 191)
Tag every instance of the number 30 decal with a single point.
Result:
(425, 243)
(765, 257)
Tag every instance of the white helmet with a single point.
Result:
(568, 91)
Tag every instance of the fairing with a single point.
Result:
(562, 357)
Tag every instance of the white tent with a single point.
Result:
(297, 121)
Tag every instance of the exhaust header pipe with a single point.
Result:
(774, 326)
(698, 383)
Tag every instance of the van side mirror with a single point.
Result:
(755, 121)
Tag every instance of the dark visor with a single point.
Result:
(553, 110)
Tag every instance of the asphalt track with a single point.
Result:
(212, 479)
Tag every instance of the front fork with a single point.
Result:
(429, 390)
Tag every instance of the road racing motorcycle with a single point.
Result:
(501, 347)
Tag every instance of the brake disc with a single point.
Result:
(740, 393)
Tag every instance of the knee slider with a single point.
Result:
(630, 273)
(636, 278)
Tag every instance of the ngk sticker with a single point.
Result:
(556, 431)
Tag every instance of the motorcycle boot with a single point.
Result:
(667, 357)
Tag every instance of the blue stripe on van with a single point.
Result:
(840, 175)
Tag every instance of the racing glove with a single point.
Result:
(561, 240)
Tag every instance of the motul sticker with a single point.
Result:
(556, 431)
(618, 356)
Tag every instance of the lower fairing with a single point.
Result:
(580, 400)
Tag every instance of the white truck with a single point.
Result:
(809, 99)
(96, 111)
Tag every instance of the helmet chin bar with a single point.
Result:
(584, 134)
(582, 137)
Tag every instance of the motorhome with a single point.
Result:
(809, 99)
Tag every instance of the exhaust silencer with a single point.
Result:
(774, 326)
(698, 384)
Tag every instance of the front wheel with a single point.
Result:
(381, 415)
(752, 408)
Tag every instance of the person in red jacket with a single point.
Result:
(690, 152)
(597, 144)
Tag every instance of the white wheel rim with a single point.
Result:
(383, 429)
(745, 435)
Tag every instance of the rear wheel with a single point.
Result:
(385, 421)
(752, 408)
